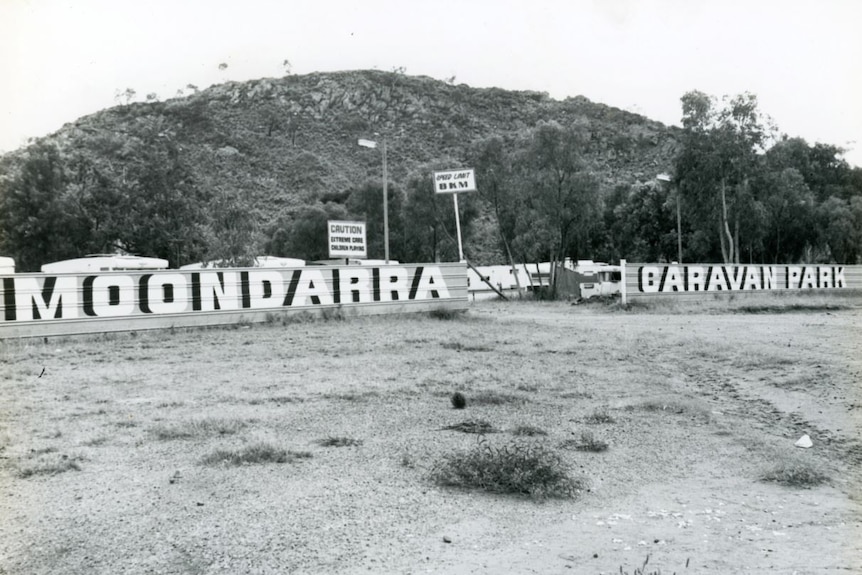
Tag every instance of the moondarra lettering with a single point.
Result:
(29, 298)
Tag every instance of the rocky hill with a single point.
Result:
(290, 140)
(220, 171)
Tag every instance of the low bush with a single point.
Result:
(458, 400)
(515, 468)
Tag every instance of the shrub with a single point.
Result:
(458, 400)
(515, 468)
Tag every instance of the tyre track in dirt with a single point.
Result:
(756, 404)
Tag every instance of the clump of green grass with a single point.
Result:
(586, 442)
(528, 431)
(258, 453)
(473, 426)
(600, 415)
(795, 473)
(52, 466)
(198, 428)
(339, 442)
(515, 468)
(458, 400)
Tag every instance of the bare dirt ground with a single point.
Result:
(104, 444)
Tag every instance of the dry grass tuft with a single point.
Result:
(255, 454)
(339, 442)
(458, 346)
(642, 570)
(795, 472)
(52, 466)
(352, 396)
(473, 426)
(489, 397)
(600, 415)
(676, 407)
(443, 313)
(528, 431)
(198, 428)
(586, 442)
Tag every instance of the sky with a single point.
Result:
(63, 59)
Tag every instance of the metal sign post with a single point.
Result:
(458, 228)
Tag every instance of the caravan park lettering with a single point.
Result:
(699, 278)
(29, 298)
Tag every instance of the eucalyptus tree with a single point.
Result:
(716, 164)
(497, 186)
(562, 194)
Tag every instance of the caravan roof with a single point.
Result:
(104, 262)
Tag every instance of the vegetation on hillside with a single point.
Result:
(253, 168)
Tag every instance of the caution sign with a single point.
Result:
(455, 181)
(347, 239)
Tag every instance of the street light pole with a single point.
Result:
(386, 205)
(678, 229)
(372, 144)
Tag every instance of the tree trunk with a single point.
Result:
(512, 264)
(730, 255)
(736, 249)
